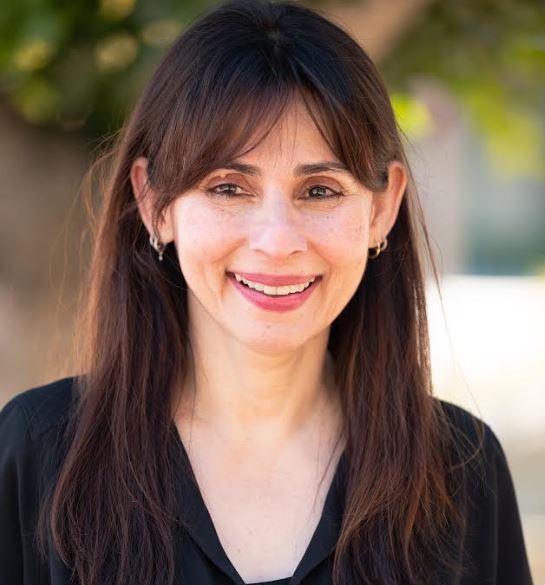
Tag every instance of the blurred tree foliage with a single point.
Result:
(81, 64)
(491, 55)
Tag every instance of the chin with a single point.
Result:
(271, 345)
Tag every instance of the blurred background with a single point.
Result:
(467, 81)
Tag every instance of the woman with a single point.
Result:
(255, 399)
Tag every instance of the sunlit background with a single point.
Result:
(467, 80)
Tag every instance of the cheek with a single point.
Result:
(345, 236)
(202, 234)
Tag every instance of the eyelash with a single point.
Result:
(335, 194)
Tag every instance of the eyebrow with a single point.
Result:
(300, 170)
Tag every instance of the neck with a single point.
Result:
(259, 401)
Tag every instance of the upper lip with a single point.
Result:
(276, 280)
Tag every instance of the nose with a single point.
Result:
(277, 229)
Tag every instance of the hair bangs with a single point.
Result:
(237, 113)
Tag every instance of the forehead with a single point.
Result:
(293, 139)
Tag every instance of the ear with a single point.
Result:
(386, 203)
(145, 197)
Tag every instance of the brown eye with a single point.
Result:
(224, 190)
(323, 192)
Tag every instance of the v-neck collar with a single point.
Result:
(195, 517)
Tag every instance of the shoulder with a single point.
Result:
(460, 419)
(30, 416)
(493, 541)
(471, 437)
(31, 432)
(477, 459)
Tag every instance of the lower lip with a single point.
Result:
(278, 303)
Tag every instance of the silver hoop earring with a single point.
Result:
(157, 245)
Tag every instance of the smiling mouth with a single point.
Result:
(274, 291)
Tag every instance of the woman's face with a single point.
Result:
(286, 210)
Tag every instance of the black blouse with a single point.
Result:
(31, 423)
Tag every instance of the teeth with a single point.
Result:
(274, 290)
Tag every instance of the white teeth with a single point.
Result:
(274, 290)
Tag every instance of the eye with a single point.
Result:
(224, 189)
(318, 192)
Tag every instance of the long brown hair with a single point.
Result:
(233, 70)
